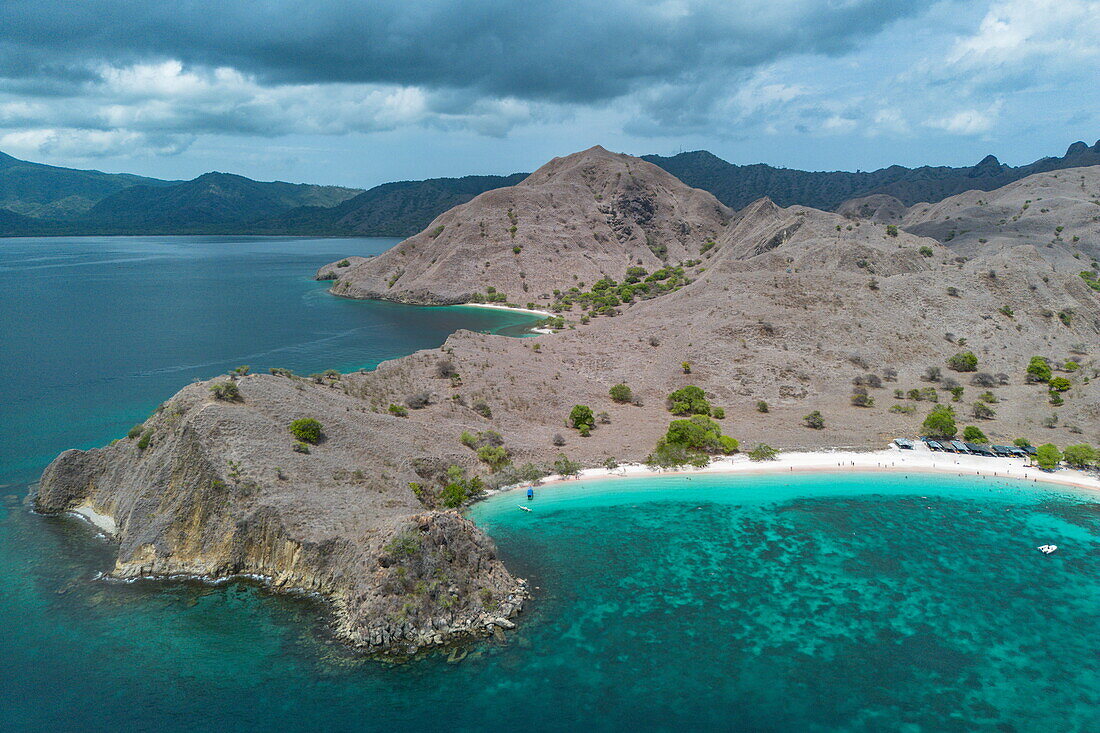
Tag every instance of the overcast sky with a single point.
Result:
(396, 89)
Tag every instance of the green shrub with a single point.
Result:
(689, 400)
(494, 455)
(481, 407)
(565, 467)
(621, 393)
(957, 393)
(903, 409)
(972, 434)
(1048, 456)
(983, 411)
(729, 444)
(1082, 455)
(343, 263)
(1059, 384)
(814, 420)
(135, 431)
(1038, 370)
(581, 417)
(926, 251)
(226, 391)
(307, 430)
(242, 370)
(862, 399)
(145, 440)
(301, 447)
(761, 406)
(891, 230)
(458, 488)
(398, 410)
(940, 422)
(1022, 443)
(964, 361)
(718, 413)
(763, 452)
(468, 439)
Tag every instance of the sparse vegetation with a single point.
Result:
(1048, 456)
(763, 452)
(398, 410)
(761, 406)
(1081, 455)
(226, 391)
(814, 420)
(964, 361)
(974, 435)
(940, 422)
(581, 418)
(621, 393)
(307, 430)
(689, 400)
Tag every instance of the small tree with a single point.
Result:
(763, 452)
(1082, 455)
(940, 422)
(1022, 443)
(581, 418)
(686, 366)
(1059, 384)
(964, 361)
(1038, 370)
(814, 420)
(983, 411)
(689, 400)
(621, 393)
(494, 455)
(565, 467)
(398, 410)
(1048, 456)
(307, 430)
(761, 406)
(226, 391)
(891, 230)
(974, 435)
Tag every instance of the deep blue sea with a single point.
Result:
(820, 602)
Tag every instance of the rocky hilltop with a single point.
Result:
(1057, 212)
(774, 312)
(572, 221)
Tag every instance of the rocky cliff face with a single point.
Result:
(570, 222)
(218, 490)
(790, 306)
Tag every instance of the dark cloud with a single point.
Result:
(555, 50)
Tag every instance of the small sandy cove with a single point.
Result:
(891, 459)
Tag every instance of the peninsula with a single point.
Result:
(683, 329)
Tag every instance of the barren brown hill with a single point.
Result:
(573, 220)
(789, 306)
(1056, 212)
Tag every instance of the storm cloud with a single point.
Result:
(263, 86)
(571, 51)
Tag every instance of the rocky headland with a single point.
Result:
(775, 313)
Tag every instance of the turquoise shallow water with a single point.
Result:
(863, 602)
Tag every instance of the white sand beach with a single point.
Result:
(497, 306)
(891, 459)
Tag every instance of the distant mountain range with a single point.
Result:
(37, 199)
(738, 186)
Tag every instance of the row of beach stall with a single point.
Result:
(974, 449)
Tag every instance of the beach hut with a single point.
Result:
(1004, 451)
(980, 450)
(959, 446)
(933, 445)
(903, 443)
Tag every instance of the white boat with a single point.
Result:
(1047, 549)
(524, 508)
